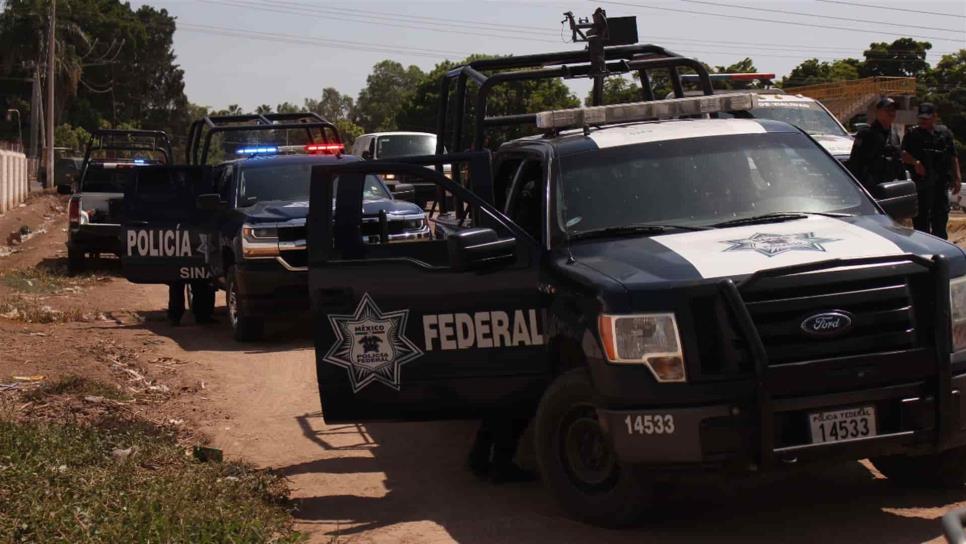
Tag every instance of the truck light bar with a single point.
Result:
(325, 149)
(642, 111)
(256, 150)
(738, 76)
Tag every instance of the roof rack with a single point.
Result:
(197, 149)
(129, 140)
(487, 74)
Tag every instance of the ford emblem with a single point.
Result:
(827, 324)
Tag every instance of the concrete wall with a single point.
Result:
(13, 179)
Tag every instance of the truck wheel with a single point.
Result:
(576, 460)
(75, 261)
(946, 469)
(245, 328)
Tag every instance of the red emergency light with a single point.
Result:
(325, 149)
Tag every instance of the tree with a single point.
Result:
(618, 90)
(904, 57)
(946, 87)
(348, 130)
(333, 105)
(75, 138)
(811, 72)
(387, 88)
(420, 110)
(288, 107)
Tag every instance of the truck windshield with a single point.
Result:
(290, 182)
(699, 182)
(405, 145)
(807, 116)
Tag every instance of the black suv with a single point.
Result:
(660, 293)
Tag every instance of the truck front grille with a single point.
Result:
(882, 311)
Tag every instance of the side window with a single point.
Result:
(523, 203)
(503, 181)
(223, 182)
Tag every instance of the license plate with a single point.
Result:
(840, 425)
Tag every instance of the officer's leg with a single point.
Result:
(202, 300)
(921, 220)
(506, 438)
(175, 302)
(940, 213)
(479, 458)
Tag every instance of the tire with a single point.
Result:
(244, 327)
(576, 461)
(944, 470)
(75, 261)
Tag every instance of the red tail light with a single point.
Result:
(73, 210)
(325, 149)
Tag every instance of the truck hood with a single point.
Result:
(642, 262)
(276, 211)
(837, 146)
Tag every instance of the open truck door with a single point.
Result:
(427, 329)
(165, 233)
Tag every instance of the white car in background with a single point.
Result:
(391, 145)
(809, 115)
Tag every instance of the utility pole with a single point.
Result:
(51, 47)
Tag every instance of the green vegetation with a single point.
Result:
(78, 386)
(36, 280)
(33, 310)
(126, 481)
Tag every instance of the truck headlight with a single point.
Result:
(957, 311)
(648, 339)
(414, 224)
(259, 242)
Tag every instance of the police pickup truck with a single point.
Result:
(660, 294)
(241, 223)
(93, 211)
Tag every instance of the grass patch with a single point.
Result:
(31, 310)
(60, 483)
(40, 280)
(78, 386)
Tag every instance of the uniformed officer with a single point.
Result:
(930, 151)
(875, 156)
(494, 448)
(202, 301)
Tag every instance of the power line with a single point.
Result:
(318, 42)
(848, 19)
(776, 21)
(360, 19)
(422, 18)
(880, 6)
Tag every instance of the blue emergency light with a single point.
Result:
(256, 150)
(139, 161)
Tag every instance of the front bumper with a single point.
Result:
(94, 237)
(762, 421)
(908, 421)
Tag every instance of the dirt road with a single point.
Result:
(406, 482)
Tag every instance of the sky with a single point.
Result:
(252, 52)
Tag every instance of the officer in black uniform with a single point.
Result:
(930, 152)
(202, 295)
(875, 156)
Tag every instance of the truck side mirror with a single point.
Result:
(474, 248)
(898, 198)
(247, 201)
(367, 155)
(65, 189)
(208, 202)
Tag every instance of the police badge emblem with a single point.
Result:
(770, 245)
(371, 345)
